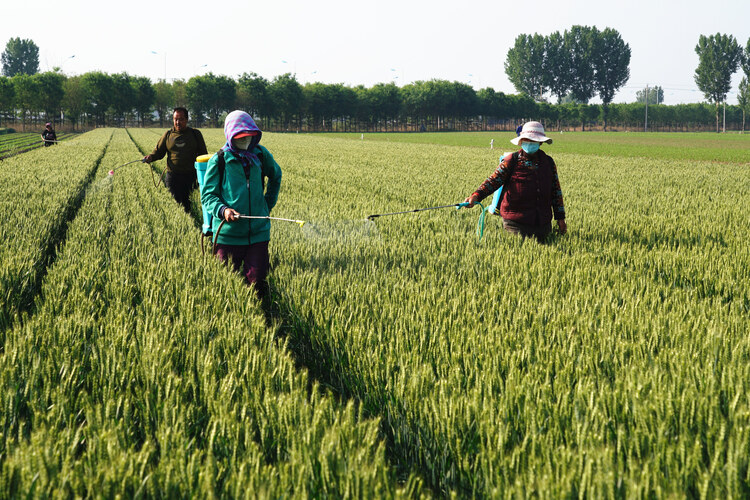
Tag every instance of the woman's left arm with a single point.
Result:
(558, 206)
(272, 171)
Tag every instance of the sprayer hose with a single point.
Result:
(480, 222)
(216, 236)
(161, 178)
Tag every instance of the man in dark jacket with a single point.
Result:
(184, 145)
(532, 189)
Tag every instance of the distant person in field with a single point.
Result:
(248, 184)
(531, 189)
(48, 135)
(184, 145)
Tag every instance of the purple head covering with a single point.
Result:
(238, 121)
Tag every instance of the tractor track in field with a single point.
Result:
(56, 239)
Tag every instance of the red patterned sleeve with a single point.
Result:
(558, 207)
(494, 181)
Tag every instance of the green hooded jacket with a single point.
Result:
(242, 194)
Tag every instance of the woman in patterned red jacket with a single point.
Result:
(532, 193)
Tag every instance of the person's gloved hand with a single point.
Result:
(147, 159)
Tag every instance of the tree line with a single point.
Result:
(583, 62)
(574, 66)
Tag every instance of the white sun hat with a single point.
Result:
(533, 131)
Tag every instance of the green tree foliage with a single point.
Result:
(96, 99)
(51, 92)
(557, 75)
(745, 59)
(179, 90)
(655, 95)
(318, 101)
(145, 96)
(163, 100)
(197, 92)
(123, 97)
(719, 57)
(439, 102)
(288, 99)
(74, 100)
(743, 99)
(253, 96)
(21, 57)
(210, 95)
(581, 63)
(491, 102)
(27, 95)
(223, 97)
(611, 59)
(7, 96)
(99, 90)
(525, 65)
(385, 101)
(580, 43)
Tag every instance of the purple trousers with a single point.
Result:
(251, 261)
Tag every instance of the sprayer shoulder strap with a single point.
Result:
(512, 165)
(221, 163)
(514, 162)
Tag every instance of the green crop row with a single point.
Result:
(39, 193)
(609, 362)
(147, 370)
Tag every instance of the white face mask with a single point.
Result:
(243, 143)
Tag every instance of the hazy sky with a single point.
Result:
(354, 42)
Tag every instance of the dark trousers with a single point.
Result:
(251, 261)
(528, 230)
(181, 185)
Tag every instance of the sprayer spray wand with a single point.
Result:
(240, 216)
(456, 205)
(112, 172)
(480, 223)
(300, 222)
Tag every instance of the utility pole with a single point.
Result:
(645, 126)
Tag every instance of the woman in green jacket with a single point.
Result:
(234, 187)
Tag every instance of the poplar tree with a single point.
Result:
(611, 66)
(524, 65)
(719, 56)
(21, 57)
